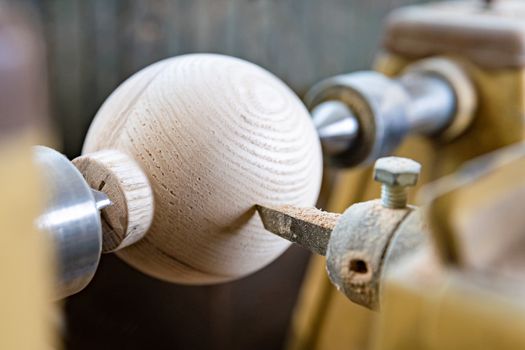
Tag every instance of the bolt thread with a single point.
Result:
(393, 196)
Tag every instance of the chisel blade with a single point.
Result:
(309, 227)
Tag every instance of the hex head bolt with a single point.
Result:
(395, 174)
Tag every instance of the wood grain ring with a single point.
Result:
(129, 217)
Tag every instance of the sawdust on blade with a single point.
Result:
(313, 215)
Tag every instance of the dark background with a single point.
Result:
(93, 45)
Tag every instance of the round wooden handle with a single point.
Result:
(214, 135)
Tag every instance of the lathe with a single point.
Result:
(202, 168)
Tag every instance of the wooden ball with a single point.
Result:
(215, 136)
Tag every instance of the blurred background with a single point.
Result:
(92, 46)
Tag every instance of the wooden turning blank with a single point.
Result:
(215, 135)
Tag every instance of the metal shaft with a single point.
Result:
(432, 103)
(365, 115)
(416, 103)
